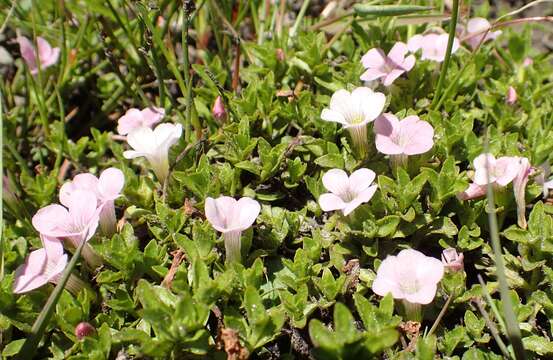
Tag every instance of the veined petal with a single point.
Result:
(333, 116)
(397, 52)
(361, 179)
(220, 212)
(27, 52)
(392, 76)
(336, 181)
(142, 140)
(248, 210)
(368, 103)
(372, 74)
(130, 121)
(48, 219)
(416, 136)
(110, 184)
(374, 58)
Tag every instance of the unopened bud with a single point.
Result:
(218, 111)
(452, 260)
(511, 96)
(84, 329)
(280, 55)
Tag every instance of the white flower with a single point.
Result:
(354, 111)
(231, 217)
(154, 145)
(347, 193)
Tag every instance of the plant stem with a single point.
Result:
(445, 65)
(513, 331)
(440, 316)
(301, 14)
(31, 343)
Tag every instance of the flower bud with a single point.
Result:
(218, 110)
(511, 96)
(84, 329)
(452, 260)
(280, 55)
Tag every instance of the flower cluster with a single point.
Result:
(86, 203)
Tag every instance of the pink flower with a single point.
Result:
(231, 217)
(527, 62)
(476, 30)
(511, 97)
(354, 111)
(452, 260)
(107, 188)
(41, 266)
(410, 136)
(410, 276)
(47, 55)
(387, 68)
(519, 188)
(134, 119)
(501, 171)
(218, 111)
(474, 191)
(433, 46)
(77, 222)
(347, 193)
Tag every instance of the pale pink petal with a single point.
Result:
(47, 219)
(481, 163)
(167, 135)
(386, 281)
(392, 76)
(331, 202)
(506, 169)
(220, 212)
(110, 184)
(386, 128)
(27, 52)
(474, 191)
(361, 179)
(341, 102)
(372, 74)
(374, 58)
(398, 52)
(248, 210)
(519, 188)
(336, 181)
(408, 63)
(416, 136)
(131, 154)
(56, 267)
(130, 121)
(152, 115)
(29, 276)
(142, 140)
(430, 269)
(47, 55)
(52, 246)
(83, 213)
(415, 43)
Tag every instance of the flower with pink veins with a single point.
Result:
(347, 193)
(387, 67)
(500, 171)
(519, 189)
(47, 56)
(354, 111)
(154, 145)
(75, 223)
(410, 276)
(134, 119)
(107, 188)
(399, 139)
(433, 46)
(231, 217)
(477, 31)
(41, 266)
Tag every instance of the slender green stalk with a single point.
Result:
(513, 331)
(490, 302)
(1, 188)
(445, 65)
(440, 316)
(31, 343)
(186, 68)
(493, 330)
(299, 19)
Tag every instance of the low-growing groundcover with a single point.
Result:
(275, 179)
